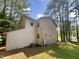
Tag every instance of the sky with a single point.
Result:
(38, 8)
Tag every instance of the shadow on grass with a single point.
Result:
(61, 51)
(34, 51)
(4, 53)
(66, 52)
(28, 52)
(76, 43)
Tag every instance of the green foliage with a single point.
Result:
(7, 19)
(6, 25)
(1, 30)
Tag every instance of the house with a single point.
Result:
(23, 37)
(46, 31)
(41, 32)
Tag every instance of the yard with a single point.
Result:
(60, 51)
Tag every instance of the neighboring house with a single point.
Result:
(41, 32)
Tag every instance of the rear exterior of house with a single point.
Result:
(23, 37)
(46, 31)
(41, 32)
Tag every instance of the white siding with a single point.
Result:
(24, 37)
(47, 31)
(21, 38)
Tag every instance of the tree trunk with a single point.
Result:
(10, 15)
(4, 9)
(68, 23)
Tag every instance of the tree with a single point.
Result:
(10, 12)
(12, 9)
(6, 25)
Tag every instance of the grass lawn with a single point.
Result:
(60, 51)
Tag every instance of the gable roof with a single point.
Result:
(49, 18)
(26, 16)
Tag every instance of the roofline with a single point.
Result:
(50, 18)
(28, 17)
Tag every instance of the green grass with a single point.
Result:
(66, 51)
(60, 51)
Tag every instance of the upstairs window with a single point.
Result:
(31, 23)
(45, 34)
(38, 36)
(37, 24)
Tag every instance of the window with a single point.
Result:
(50, 35)
(45, 34)
(38, 25)
(38, 36)
(31, 23)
